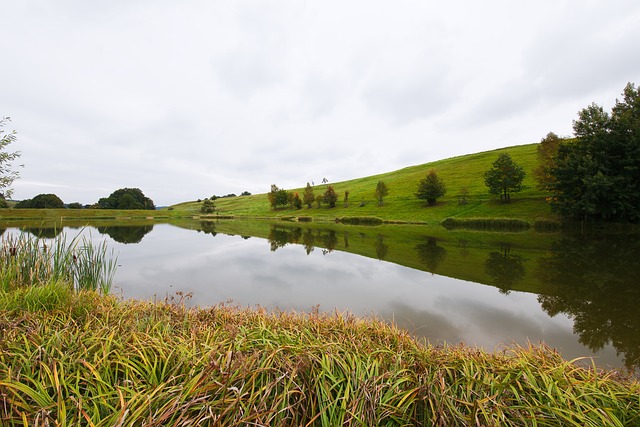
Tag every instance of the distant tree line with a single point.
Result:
(124, 198)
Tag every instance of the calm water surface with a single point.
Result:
(275, 272)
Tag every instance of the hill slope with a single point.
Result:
(401, 204)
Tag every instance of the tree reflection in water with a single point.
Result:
(504, 268)
(126, 233)
(430, 254)
(596, 282)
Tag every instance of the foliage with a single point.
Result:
(75, 205)
(547, 153)
(597, 177)
(381, 192)
(307, 197)
(431, 187)
(278, 197)
(504, 177)
(7, 174)
(208, 207)
(494, 224)
(295, 201)
(41, 201)
(3, 203)
(330, 196)
(127, 199)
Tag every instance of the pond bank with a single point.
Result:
(95, 359)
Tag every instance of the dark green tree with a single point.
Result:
(7, 173)
(430, 188)
(74, 205)
(504, 177)
(307, 197)
(381, 192)
(127, 198)
(330, 196)
(41, 201)
(597, 176)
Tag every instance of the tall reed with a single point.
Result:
(27, 260)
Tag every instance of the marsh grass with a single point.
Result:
(27, 260)
(134, 363)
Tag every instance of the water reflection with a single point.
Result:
(430, 254)
(505, 268)
(126, 233)
(576, 294)
(595, 282)
(44, 232)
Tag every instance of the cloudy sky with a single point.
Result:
(186, 99)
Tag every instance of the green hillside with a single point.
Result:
(401, 204)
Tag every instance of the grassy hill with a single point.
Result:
(401, 204)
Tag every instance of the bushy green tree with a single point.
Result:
(597, 176)
(330, 196)
(127, 198)
(41, 201)
(307, 197)
(278, 197)
(208, 207)
(430, 188)
(7, 173)
(504, 177)
(381, 192)
(74, 205)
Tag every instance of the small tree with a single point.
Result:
(330, 196)
(547, 153)
(297, 203)
(504, 177)
(462, 195)
(381, 192)
(430, 188)
(208, 207)
(278, 197)
(7, 175)
(346, 198)
(307, 197)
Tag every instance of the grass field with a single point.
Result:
(401, 203)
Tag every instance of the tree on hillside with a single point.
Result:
(307, 197)
(208, 206)
(430, 188)
(330, 196)
(7, 174)
(278, 197)
(547, 152)
(504, 177)
(41, 201)
(381, 192)
(127, 198)
(597, 177)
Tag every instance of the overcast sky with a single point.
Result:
(186, 99)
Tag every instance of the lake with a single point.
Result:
(578, 294)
